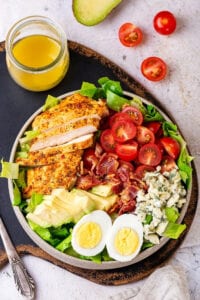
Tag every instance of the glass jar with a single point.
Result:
(37, 53)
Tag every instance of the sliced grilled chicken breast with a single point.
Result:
(55, 154)
(62, 138)
(61, 174)
(66, 132)
(70, 108)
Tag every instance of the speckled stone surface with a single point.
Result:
(179, 94)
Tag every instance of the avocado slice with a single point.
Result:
(61, 207)
(103, 190)
(92, 12)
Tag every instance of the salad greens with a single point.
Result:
(9, 170)
(111, 90)
(50, 102)
(173, 229)
(184, 159)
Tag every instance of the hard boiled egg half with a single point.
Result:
(89, 235)
(125, 238)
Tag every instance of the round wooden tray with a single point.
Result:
(144, 268)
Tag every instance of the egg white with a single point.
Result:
(104, 221)
(124, 221)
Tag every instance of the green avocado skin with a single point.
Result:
(85, 13)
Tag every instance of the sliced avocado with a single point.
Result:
(102, 203)
(103, 190)
(61, 207)
(92, 12)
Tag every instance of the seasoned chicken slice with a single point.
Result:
(61, 174)
(71, 107)
(66, 132)
(55, 154)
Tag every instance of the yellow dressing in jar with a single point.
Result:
(39, 60)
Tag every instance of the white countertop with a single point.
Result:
(179, 93)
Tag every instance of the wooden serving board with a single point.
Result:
(17, 105)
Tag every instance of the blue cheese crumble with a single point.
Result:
(164, 190)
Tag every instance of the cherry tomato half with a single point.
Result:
(150, 155)
(127, 151)
(164, 22)
(123, 130)
(171, 146)
(154, 68)
(167, 164)
(144, 135)
(120, 116)
(142, 169)
(130, 35)
(134, 113)
(154, 126)
(107, 140)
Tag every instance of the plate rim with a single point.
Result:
(74, 261)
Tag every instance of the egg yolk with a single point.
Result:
(126, 241)
(88, 235)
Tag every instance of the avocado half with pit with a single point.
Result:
(92, 12)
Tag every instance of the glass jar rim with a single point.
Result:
(22, 23)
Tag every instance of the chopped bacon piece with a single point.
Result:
(125, 170)
(89, 159)
(86, 182)
(107, 164)
(98, 150)
(117, 185)
(129, 193)
(129, 207)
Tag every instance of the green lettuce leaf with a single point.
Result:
(137, 102)
(50, 102)
(88, 89)
(16, 195)
(21, 180)
(152, 114)
(35, 200)
(173, 230)
(110, 85)
(148, 219)
(65, 244)
(9, 170)
(29, 135)
(44, 233)
(172, 214)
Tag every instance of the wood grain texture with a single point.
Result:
(142, 269)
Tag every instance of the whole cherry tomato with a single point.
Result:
(164, 22)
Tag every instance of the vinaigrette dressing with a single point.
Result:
(37, 60)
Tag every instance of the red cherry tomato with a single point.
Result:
(134, 113)
(167, 164)
(127, 151)
(118, 117)
(107, 140)
(154, 126)
(164, 22)
(149, 154)
(144, 135)
(171, 146)
(154, 68)
(130, 35)
(123, 131)
(142, 169)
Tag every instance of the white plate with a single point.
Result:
(67, 258)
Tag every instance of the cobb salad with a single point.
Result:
(101, 175)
